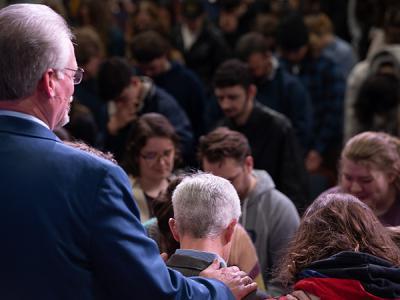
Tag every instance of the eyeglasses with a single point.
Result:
(78, 75)
(154, 156)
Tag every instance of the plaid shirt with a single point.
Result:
(326, 86)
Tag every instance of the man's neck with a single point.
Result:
(204, 244)
(252, 185)
(25, 106)
(242, 119)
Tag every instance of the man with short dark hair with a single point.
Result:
(151, 53)
(270, 134)
(133, 96)
(277, 88)
(269, 217)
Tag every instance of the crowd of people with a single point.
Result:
(252, 145)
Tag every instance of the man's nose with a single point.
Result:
(224, 103)
(355, 187)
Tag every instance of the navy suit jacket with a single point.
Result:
(70, 229)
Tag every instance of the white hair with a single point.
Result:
(33, 38)
(204, 205)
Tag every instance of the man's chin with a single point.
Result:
(64, 121)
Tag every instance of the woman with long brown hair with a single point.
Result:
(342, 251)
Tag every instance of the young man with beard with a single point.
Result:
(270, 134)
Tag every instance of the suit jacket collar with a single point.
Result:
(19, 126)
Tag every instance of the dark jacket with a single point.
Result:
(192, 266)
(275, 149)
(70, 228)
(184, 85)
(351, 275)
(286, 94)
(208, 51)
(326, 86)
(159, 101)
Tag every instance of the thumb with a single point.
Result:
(164, 256)
(211, 270)
(214, 265)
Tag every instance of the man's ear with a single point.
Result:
(48, 82)
(252, 91)
(249, 163)
(174, 229)
(228, 234)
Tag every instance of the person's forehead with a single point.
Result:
(360, 168)
(234, 89)
(225, 168)
(159, 142)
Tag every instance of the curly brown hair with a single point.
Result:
(333, 223)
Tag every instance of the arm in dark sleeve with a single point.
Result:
(126, 263)
(292, 176)
(300, 111)
(329, 128)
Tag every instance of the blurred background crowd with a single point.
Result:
(302, 85)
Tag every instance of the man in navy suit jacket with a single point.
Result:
(69, 227)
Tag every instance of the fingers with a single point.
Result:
(246, 280)
(164, 256)
(233, 269)
(212, 271)
(215, 265)
(300, 295)
(244, 289)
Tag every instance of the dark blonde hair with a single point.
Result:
(333, 223)
(319, 24)
(377, 149)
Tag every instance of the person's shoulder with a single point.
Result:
(281, 121)
(84, 158)
(185, 74)
(268, 192)
(164, 100)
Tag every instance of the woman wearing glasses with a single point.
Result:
(151, 155)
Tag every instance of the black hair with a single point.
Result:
(114, 76)
(232, 72)
(292, 33)
(149, 45)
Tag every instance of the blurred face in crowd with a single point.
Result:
(155, 67)
(294, 56)
(156, 159)
(194, 24)
(235, 101)
(237, 173)
(371, 185)
(130, 97)
(260, 64)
